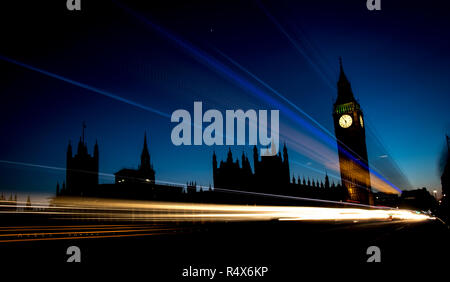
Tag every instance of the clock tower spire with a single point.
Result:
(351, 137)
(345, 93)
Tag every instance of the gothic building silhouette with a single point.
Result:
(81, 169)
(82, 173)
(268, 171)
(144, 173)
(271, 176)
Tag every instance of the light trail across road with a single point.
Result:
(129, 210)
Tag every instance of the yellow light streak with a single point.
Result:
(126, 210)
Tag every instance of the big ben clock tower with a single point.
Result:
(350, 133)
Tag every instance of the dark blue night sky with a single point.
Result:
(168, 54)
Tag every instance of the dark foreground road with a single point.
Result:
(286, 248)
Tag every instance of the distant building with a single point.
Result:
(144, 174)
(418, 199)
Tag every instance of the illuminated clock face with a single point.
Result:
(345, 121)
(361, 121)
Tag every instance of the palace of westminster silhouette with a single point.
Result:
(270, 174)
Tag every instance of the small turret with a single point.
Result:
(327, 181)
(285, 154)
(145, 156)
(229, 156)
(214, 160)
